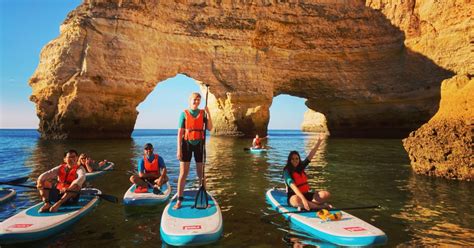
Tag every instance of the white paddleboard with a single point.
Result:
(149, 198)
(103, 169)
(29, 224)
(349, 231)
(190, 226)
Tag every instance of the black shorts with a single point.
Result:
(308, 195)
(187, 151)
(55, 195)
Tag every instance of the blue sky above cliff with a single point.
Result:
(26, 26)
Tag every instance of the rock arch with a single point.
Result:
(347, 59)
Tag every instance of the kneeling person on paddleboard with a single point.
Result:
(70, 178)
(151, 171)
(257, 142)
(299, 193)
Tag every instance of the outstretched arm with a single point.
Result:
(315, 148)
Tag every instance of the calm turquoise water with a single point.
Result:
(416, 210)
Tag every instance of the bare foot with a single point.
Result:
(55, 207)
(178, 205)
(45, 207)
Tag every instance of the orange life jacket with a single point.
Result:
(152, 167)
(65, 179)
(257, 142)
(194, 127)
(301, 181)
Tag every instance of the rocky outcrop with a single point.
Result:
(441, 31)
(314, 122)
(444, 146)
(346, 58)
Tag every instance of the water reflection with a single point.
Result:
(434, 215)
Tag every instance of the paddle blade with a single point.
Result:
(201, 201)
(15, 181)
(109, 198)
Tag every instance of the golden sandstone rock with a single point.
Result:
(372, 68)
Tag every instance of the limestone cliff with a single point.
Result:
(314, 122)
(442, 31)
(346, 58)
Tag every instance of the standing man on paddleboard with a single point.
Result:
(70, 178)
(190, 141)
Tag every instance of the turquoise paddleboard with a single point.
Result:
(103, 169)
(191, 226)
(349, 231)
(29, 224)
(148, 198)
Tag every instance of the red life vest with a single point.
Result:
(301, 181)
(257, 142)
(66, 178)
(194, 127)
(152, 167)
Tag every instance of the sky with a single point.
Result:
(26, 26)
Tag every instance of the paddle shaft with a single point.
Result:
(204, 140)
(18, 180)
(332, 209)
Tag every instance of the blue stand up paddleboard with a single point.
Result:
(103, 169)
(29, 224)
(349, 231)
(257, 150)
(148, 198)
(6, 195)
(188, 225)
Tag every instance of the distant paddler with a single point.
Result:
(151, 171)
(70, 177)
(191, 141)
(257, 142)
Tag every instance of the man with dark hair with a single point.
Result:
(69, 177)
(151, 170)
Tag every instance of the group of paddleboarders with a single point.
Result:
(152, 170)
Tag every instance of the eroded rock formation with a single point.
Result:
(314, 122)
(441, 31)
(347, 59)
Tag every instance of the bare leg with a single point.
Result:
(44, 194)
(183, 174)
(65, 198)
(138, 181)
(295, 201)
(161, 180)
(321, 198)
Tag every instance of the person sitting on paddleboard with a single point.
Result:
(257, 142)
(299, 193)
(151, 170)
(70, 178)
(190, 140)
(88, 164)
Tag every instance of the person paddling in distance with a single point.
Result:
(190, 141)
(257, 142)
(298, 190)
(151, 170)
(70, 178)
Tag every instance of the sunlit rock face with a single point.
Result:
(441, 31)
(314, 122)
(348, 58)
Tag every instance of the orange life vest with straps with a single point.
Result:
(301, 181)
(151, 167)
(257, 142)
(194, 127)
(65, 178)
